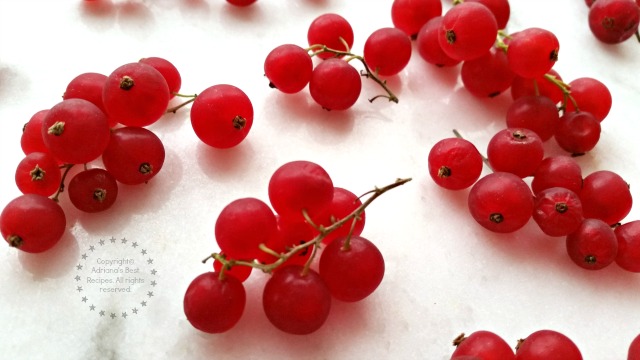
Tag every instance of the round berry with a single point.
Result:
(532, 52)
(335, 84)
(501, 202)
(518, 151)
(288, 68)
(332, 31)
(93, 190)
(454, 163)
(387, 51)
(468, 31)
(221, 116)
(593, 246)
(547, 345)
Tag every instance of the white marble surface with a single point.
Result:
(445, 274)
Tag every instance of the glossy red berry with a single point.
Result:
(214, 305)
(501, 202)
(591, 95)
(32, 223)
(335, 84)
(634, 349)
(299, 186)
(344, 202)
(32, 139)
(518, 151)
(557, 211)
(134, 155)
(532, 52)
(468, 31)
(605, 195)
(353, 270)
(559, 170)
(410, 15)
(488, 75)
(387, 51)
(593, 246)
(168, 70)
(429, 47)
(135, 94)
(295, 301)
(221, 116)
(38, 173)
(331, 30)
(547, 345)
(288, 68)
(454, 163)
(536, 113)
(75, 131)
(628, 235)
(93, 190)
(614, 21)
(578, 132)
(484, 345)
(242, 226)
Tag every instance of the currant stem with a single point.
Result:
(319, 49)
(192, 98)
(315, 242)
(66, 168)
(566, 91)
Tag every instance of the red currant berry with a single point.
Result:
(38, 173)
(331, 30)
(31, 139)
(353, 270)
(518, 151)
(214, 305)
(88, 86)
(410, 15)
(532, 52)
(32, 223)
(484, 345)
(593, 246)
(288, 68)
(634, 348)
(614, 21)
(468, 31)
(135, 94)
(591, 95)
(605, 196)
(134, 155)
(299, 186)
(221, 116)
(167, 70)
(561, 171)
(242, 226)
(536, 113)
(628, 236)
(578, 132)
(387, 51)
(501, 202)
(93, 190)
(488, 75)
(454, 163)
(335, 84)
(429, 47)
(557, 211)
(499, 8)
(296, 301)
(241, 2)
(75, 131)
(547, 345)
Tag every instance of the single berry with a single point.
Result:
(454, 163)
(593, 246)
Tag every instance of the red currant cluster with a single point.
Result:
(308, 211)
(614, 21)
(539, 345)
(81, 129)
(559, 199)
(333, 83)
(103, 119)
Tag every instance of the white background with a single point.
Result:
(445, 274)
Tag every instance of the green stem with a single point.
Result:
(192, 98)
(566, 91)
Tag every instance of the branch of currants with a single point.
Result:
(319, 49)
(315, 242)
